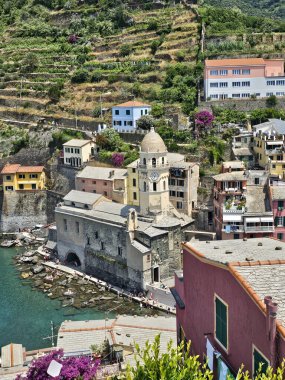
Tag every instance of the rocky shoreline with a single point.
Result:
(72, 291)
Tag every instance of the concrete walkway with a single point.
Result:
(115, 289)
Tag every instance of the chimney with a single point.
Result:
(230, 169)
(271, 313)
(111, 174)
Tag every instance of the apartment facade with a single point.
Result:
(236, 288)
(277, 199)
(17, 177)
(126, 115)
(241, 205)
(244, 77)
(269, 145)
(76, 152)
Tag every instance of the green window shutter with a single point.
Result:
(275, 221)
(283, 221)
(280, 204)
(221, 323)
(257, 360)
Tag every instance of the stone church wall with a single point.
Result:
(22, 209)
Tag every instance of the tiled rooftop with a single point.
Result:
(102, 173)
(132, 104)
(82, 197)
(234, 62)
(77, 143)
(17, 168)
(231, 251)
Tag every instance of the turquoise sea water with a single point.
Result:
(25, 315)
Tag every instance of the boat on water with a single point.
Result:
(7, 243)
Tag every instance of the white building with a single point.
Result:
(244, 77)
(126, 115)
(76, 152)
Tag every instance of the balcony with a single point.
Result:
(233, 209)
(232, 228)
(259, 228)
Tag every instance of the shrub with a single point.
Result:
(117, 159)
(145, 122)
(271, 101)
(96, 76)
(125, 50)
(80, 76)
(152, 25)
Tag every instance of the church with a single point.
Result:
(128, 246)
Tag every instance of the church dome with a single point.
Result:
(153, 143)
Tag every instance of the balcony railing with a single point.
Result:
(233, 229)
(233, 210)
(259, 229)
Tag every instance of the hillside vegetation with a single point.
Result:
(68, 59)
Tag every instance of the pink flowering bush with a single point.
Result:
(203, 120)
(74, 368)
(117, 159)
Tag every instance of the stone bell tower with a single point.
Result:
(153, 176)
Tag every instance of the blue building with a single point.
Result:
(126, 115)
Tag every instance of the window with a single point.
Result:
(221, 322)
(179, 205)
(145, 112)
(117, 112)
(65, 224)
(154, 186)
(162, 160)
(278, 221)
(128, 112)
(8, 178)
(105, 183)
(246, 71)
(164, 185)
(133, 170)
(223, 72)
(172, 193)
(280, 82)
(134, 182)
(172, 182)
(223, 84)
(33, 176)
(280, 93)
(280, 205)
(214, 72)
(21, 186)
(280, 236)
(144, 186)
(148, 258)
(259, 359)
(71, 150)
(245, 84)
(76, 150)
(96, 234)
(236, 236)
(270, 83)
(245, 95)
(102, 245)
(144, 161)
(21, 176)
(120, 251)
(214, 96)
(34, 186)
(235, 95)
(94, 182)
(180, 194)
(7, 188)
(67, 150)
(77, 227)
(94, 191)
(214, 84)
(135, 196)
(180, 182)
(105, 193)
(128, 123)
(141, 112)
(273, 166)
(236, 84)
(117, 122)
(256, 181)
(269, 93)
(83, 189)
(236, 71)
(83, 180)
(154, 162)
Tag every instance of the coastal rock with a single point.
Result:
(38, 269)
(29, 254)
(25, 275)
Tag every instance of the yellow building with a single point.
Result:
(269, 141)
(278, 168)
(133, 184)
(17, 177)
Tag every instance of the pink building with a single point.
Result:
(223, 301)
(277, 197)
(243, 77)
(110, 182)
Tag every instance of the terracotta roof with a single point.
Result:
(133, 104)
(30, 169)
(10, 169)
(234, 62)
(17, 168)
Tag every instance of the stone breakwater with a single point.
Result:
(74, 291)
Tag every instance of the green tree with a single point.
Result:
(145, 122)
(271, 101)
(29, 63)
(80, 76)
(176, 363)
(110, 140)
(125, 50)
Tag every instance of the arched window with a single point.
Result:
(144, 186)
(154, 186)
(164, 185)
(154, 162)
(162, 160)
(144, 161)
